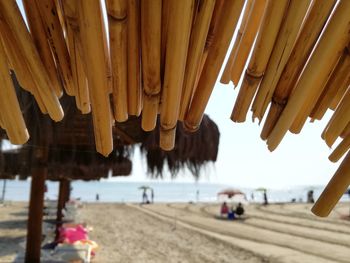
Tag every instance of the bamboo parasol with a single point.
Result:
(341, 149)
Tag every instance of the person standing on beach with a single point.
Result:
(144, 197)
(152, 196)
(265, 198)
(97, 197)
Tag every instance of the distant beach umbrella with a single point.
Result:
(230, 192)
(261, 189)
(144, 187)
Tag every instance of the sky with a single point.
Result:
(243, 158)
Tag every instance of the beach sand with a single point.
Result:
(192, 233)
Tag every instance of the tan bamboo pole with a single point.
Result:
(338, 79)
(54, 34)
(151, 22)
(37, 31)
(270, 25)
(197, 43)
(73, 36)
(117, 17)
(346, 131)
(11, 114)
(340, 93)
(296, 12)
(341, 149)
(213, 27)
(134, 67)
(17, 62)
(308, 36)
(226, 25)
(10, 13)
(226, 74)
(94, 54)
(339, 120)
(247, 40)
(78, 72)
(178, 36)
(334, 189)
(320, 64)
(165, 19)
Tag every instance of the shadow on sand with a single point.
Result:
(10, 245)
(13, 224)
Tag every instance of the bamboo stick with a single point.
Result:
(94, 55)
(165, 20)
(10, 13)
(17, 62)
(346, 131)
(117, 17)
(11, 114)
(339, 120)
(134, 84)
(265, 41)
(73, 35)
(247, 40)
(340, 93)
(37, 31)
(325, 55)
(334, 189)
(308, 36)
(197, 43)
(296, 12)
(151, 20)
(178, 36)
(213, 27)
(341, 149)
(54, 34)
(226, 75)
(226, 25)
(337, 80)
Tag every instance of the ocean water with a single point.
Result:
(163, 191)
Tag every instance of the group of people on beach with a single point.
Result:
(231, 213)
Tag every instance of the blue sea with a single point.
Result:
(163, 191)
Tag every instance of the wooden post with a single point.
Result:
(37, 191)
(63, 197)
(36, 205)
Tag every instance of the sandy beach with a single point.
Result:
(193, 233)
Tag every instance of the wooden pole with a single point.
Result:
(63, 193)
(36, 205)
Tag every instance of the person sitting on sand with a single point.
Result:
(224, 209)
(239, 209)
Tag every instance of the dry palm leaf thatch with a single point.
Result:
(190, 150)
